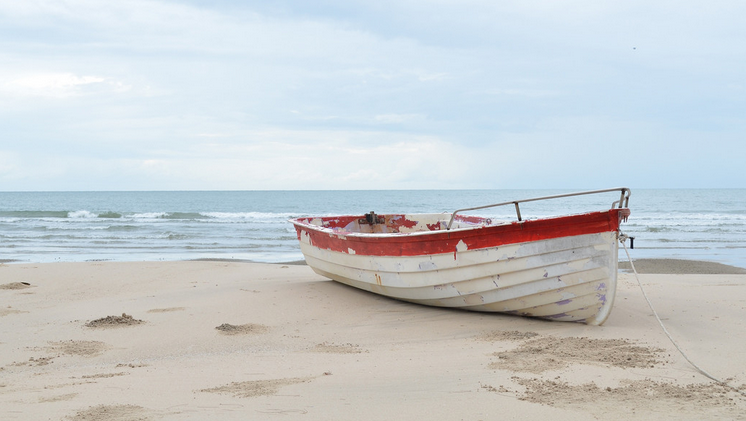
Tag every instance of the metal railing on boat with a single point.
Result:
(623, 201)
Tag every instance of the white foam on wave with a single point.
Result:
(82, 214)
(149, 215)
(247, 215)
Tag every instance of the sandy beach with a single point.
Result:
(198, 340)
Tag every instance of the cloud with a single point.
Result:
(265, 160)
(58, 85)
(530, 93)
(382, 163)
(8, 164)
(432, 77)
(397, 118)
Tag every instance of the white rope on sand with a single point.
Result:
(622, 239)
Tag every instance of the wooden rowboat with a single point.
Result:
(560, 268)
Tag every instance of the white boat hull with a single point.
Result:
(565, 279)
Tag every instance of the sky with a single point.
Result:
(347, 94)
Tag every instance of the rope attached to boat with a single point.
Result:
(622, 239)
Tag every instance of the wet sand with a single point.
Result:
(677, 266)
(235, 340)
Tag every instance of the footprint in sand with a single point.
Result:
(58, 398)
(254, 388)
(706, 401)
(112, 412)
(165, 310)
(80, 348)
(328, 348)
(541, 354)
(7, 311)
(500, 335)
(34, 362)
(250, 328)
(16, 285)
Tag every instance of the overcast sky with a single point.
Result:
(347, 94)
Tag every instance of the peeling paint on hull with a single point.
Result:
(562, 268)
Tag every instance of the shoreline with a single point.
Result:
(680, 267)
(643, 266)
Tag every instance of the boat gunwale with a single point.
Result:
(445, 232)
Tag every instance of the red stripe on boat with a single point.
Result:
(443, 241)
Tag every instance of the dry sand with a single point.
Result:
(226, 340)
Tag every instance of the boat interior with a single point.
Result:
(372, 223)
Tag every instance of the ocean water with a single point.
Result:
(708, 224)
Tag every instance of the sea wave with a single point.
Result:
(253, 225)
(250, 215)
(81, 214)
(183, 215)
(34, 214)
